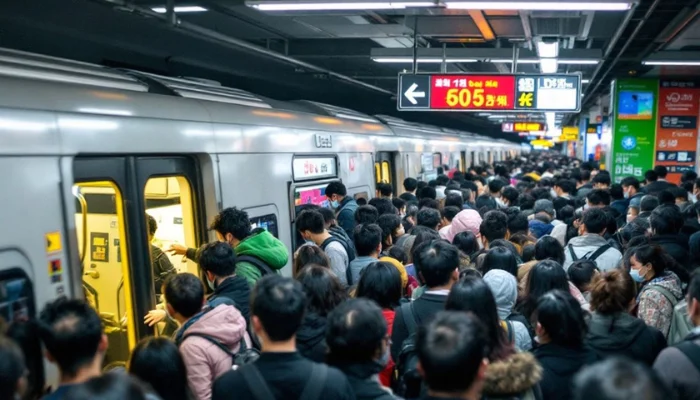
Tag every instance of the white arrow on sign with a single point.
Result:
(411, 94)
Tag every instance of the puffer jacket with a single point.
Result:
(266, 247)
(505, 291)
(204, 360)
(587, 245)
(560, 365)
(516, 377)
(655, 308)
(621, 334)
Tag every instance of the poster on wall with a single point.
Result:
(634, 127)
(677, 134)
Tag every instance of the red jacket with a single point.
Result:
(386, 374)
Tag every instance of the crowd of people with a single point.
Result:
(537, 278)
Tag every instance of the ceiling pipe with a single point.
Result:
(240, 44)
(610, 48)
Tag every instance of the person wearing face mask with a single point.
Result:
(660, 287)
(630, 188)
(218, 262)
(358, 345)
(343, 205)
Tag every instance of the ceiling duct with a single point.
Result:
(565, 23)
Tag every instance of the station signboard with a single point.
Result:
(490, 93)
(517, 127)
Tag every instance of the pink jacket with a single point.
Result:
(204, 360)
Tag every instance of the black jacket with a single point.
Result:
(235, 288)
(311, 337)
(424, 307)
(676, 246)
(624, 335)
(657, 187)
(363, 380)
(560, 365)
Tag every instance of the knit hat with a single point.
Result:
(400, 267)
(464, 221)
(544, 205)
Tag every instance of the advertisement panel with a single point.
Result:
(634, 127)
(677, 134)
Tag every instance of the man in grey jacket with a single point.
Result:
(679, 366)
(368, 244)
(591, 244)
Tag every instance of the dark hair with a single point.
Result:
(442, 179)
(71, 331)
(436, 261)
(410, 184)
(585, 175)
(511, 194)
(385, 189)
(12, 367)
(449, 212)
(218, 258)
(679, 193)
(486, 200)
(595, 220)
(689, 175)
(500, 258)
(566, 185)
(428, 203)
(496, 185)
(367, 238)
(653, 255)
(108, 387)
(185, 294)
(454, 199)
(561, 316)
(666, 197)
(541, 193)
(661, 171)
(648, 203)
(666, 220)
(428, 217)
(466, 242)
(322, 288)
(651, 176)
(581, 272)
(527, 202)
(366, 215)
(598, 197)
(157, 362)
(310, 220)
(603, 179)
(473, 295)
(616, 192)
(354, 332)
(618, 378)
(381, 282)
(451, 348)
(234, 221)
(398, 254)
(26, 334)
(336, 188)
(528, 253)
(566, 214)
(328, 214)
(279, 303)
(518, 223)
(388, 224)
(398, 203)
(613, 292)
(549, 248)
(494, 225)
(546, 275)
(152, 224)
(427, 192)
(383, 205)
(361, 201)
(309, 254)
(630, 181)
(694, 287)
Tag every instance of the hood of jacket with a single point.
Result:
(465, 220)
(364, 380)
(348, 204)
(223, 323)
(311, 332)
(564, 361)
(505, 290)
(588, 240)
(265, 247)
(516, 374)
(614, 332)
(668, 281)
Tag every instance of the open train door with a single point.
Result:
(385, 169)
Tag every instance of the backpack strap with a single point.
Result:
(214, 342)
(599, 252)
(665, 292)
(571, 251)
(317, 382)
(409, 317)
(328, 241)
(511, 333)
(348, 275)
(692, 351)
(256, 383)
(257, 263)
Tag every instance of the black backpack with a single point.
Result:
(407, 380)
(261, 390)
(258, 263)
(589, 256)
(348, 245)
(242, 357)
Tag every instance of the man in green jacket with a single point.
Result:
(233, 227)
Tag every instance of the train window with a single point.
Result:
(100, 227)
(267, 222)
(386, 172)
(377, 173)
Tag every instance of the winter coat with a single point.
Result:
(311, 337)
(587, 245)
(676, 246)
(513, 378)
(346, 214)
(364, 382)
(560, 365)
(621, 334)
(204, 360)
(264, 246)
(386, 374)
(653, 307)
(465, 220)
(236, 289)
(505, 291)
(677, 371)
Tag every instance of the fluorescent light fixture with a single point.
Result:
(550, 117)
(549, 65)
(510, 60)
(421, 60)
(579, 61)
(340, 6)
(673, 63)
(180, 9)
(548, 50)
(585, 81)
(105, 111)
(563, 5)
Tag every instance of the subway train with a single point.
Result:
(86, 151)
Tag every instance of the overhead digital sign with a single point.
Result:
(490, 93)
(518, 127)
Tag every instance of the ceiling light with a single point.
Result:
(676, 63)
(510, 60)
(579, 61)
(540, 5)
(329, 6)
(585, 81)
(425, 60)
(548, 65)
(180, 9)
(548, 50)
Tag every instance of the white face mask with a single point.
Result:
(500, 203)
(626, 194)
(553, 193)
(630, 218)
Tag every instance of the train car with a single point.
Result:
(86, 152)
